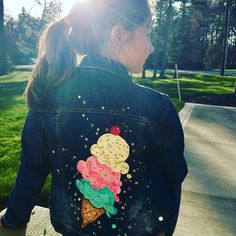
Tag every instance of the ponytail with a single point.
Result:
(56, 62)
(86, 30)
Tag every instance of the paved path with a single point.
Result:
(209, 191)
(211, 72)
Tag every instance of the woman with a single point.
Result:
(114, 148)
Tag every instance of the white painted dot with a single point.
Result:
(128, 108)
(132, 144)
(84, 102)
(98, 129)
(123, 109)
(144, 147)
(70, 183)
(83, 115)
(106, 129)
(63, 149)
(53, 151)
(81, 136)
(96, 133)
(92, 125)
(102, 107)
(87, 118)
(85, 146)
(160, 218)
(79, 96)
(86, 139)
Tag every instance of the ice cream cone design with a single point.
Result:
(89, 212)
(101, 176)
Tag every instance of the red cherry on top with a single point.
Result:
(115, 130)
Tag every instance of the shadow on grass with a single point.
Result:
(192, 85)
(10, 94)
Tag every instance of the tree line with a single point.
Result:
(189, 33)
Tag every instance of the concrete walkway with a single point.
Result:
(209, 191)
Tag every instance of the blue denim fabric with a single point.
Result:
(98, 96)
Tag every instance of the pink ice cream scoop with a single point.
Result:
(100, 175)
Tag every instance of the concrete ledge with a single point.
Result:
(39, 225)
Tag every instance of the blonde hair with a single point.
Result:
(84, 31)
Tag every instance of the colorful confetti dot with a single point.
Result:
(129, 176)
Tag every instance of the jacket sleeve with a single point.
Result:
(173, 147)
(33, 170)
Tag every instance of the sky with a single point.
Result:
(13, 7)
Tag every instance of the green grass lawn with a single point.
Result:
(13, 112)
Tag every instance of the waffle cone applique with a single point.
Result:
(89, 212)
(101, 173)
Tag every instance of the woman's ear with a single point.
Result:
(119, 35)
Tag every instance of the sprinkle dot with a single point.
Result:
(129, 176)
(113, 226)
(160, 218)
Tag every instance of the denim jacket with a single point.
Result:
(115, 152)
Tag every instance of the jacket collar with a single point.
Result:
(98, 62)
